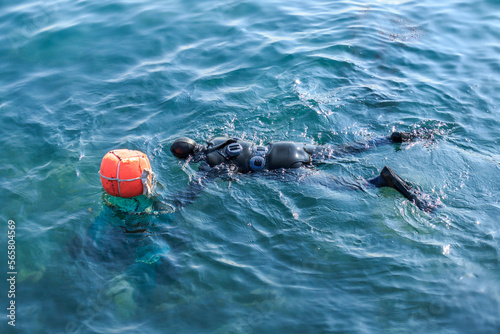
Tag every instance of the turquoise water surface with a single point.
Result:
(251, 254)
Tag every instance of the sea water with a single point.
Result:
(250, 254)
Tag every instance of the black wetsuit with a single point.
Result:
(239, 153)
(247, 156)
(244, 157)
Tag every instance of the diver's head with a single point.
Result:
(184, 147)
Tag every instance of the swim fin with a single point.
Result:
(390, 179)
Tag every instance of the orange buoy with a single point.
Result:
(126, 173)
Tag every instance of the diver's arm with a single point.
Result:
(395, 137)
(195, 187)
(188, 196)
(329, 151)
(359, 147)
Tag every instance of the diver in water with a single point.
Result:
(242, 156)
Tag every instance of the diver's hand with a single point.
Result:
(399, 137)
(403, 137)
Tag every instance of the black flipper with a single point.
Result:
(378, 182)
(390, 179)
